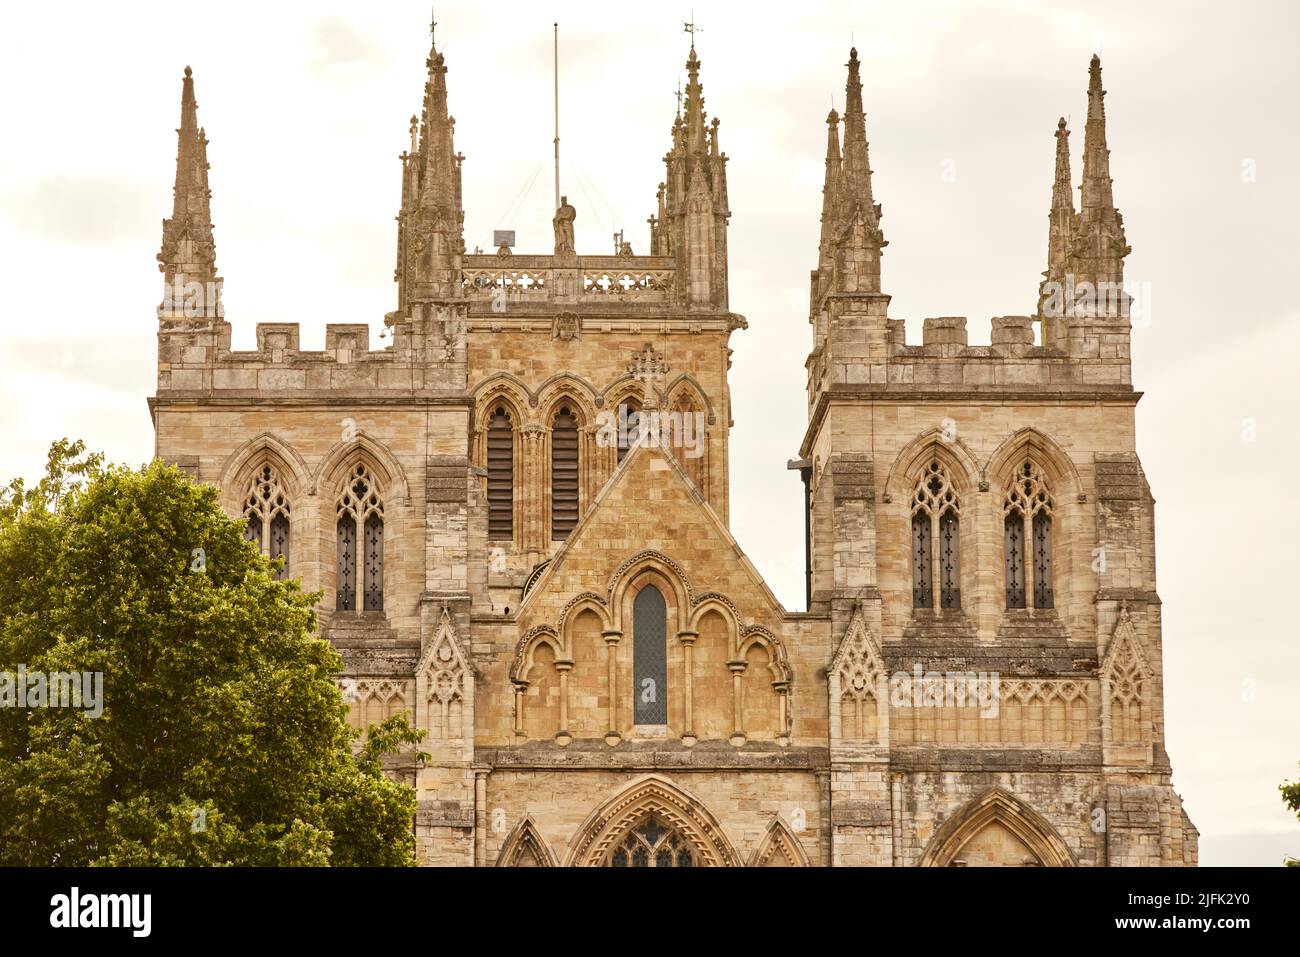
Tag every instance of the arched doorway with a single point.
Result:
(997, 829)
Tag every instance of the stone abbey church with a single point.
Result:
(515, 507)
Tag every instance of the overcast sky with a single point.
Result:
(306, 107)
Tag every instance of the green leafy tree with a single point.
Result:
(223, 738)
(1291, 798)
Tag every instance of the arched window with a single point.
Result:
(629, 425)
(360, 509)
(687, 426)
(936, 530)
(652, 843)
(266, 509)
(1028, 508)
(650, 657)
(501, 476)
(564, 474)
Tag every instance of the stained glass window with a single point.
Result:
(650, 657)
(374, 579)
(280, 543)
(1028, 510)
(1042, 560)
(936, 530)
(266, 510)
(360, 562)
(347, 574)
(949, 560)
(1014, 550)
(652, 844)
(922, 586)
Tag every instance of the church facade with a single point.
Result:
(516, 511)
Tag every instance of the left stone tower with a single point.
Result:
(350, 464)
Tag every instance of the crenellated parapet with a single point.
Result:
(1077, 339)
(426, 356)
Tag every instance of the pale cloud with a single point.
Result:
(82, 210)
(338, 43)
(306, 115)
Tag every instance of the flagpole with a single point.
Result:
(556, 61)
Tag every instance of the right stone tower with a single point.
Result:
(981, 536)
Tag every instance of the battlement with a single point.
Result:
(425, 355)
(1010, 361)
(946, 360)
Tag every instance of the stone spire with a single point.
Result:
(1060, 220)
(858, 238)
(1099, 246)
(694, 105)
(830, 202)
(431, 221)
(189, 253)
(693, 209)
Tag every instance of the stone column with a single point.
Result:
(562, 736)
(737, 703)
(611, 637)
(480, 817)
(687, 638)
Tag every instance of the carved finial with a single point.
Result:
(649, 368)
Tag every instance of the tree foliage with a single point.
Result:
(223, 738)
(1291, 798)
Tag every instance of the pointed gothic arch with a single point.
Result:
(522, 666)
(998, 810)
(1127, 685)
(652, 796)
(1028, 442)
(241, 464)
(378, 458)
(445, 686)
(501, 387)
(779, 847)
(857, 686)
(687, 384)
(665, 570)
(935, 443)
(566, 387)
(524, 847)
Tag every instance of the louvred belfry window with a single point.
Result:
(501, 476)
(266, 509)
(360, 510)
(564, 474)
(1028, 511)
(936, 534)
